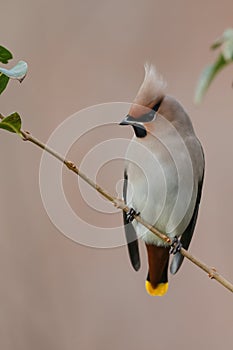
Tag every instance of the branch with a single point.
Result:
(212, 273)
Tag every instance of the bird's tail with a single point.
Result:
(158, 259)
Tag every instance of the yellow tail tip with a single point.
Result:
(160, 290)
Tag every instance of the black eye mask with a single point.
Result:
(145, 118)
(137, 123)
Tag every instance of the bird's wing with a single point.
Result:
(188, 233)
(130, 234)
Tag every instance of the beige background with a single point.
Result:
(54, 293)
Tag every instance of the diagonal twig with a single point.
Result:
(212, 273)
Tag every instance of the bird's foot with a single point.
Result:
(131, 214)
(175, 246)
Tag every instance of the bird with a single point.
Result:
(163, 179)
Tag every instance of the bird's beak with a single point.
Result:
(125, 121)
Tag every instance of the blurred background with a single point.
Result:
(55, 293)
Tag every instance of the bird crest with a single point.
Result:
(152, 88)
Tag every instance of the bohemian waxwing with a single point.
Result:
(163, 178)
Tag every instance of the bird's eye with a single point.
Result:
(151, 115)
(144, 118)
(148, 117)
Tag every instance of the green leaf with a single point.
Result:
(227, 50)
(217, 43)
(11, 123)
(3, 82)
(5, 55)
(227, 35)
(225, 43)
(207, 76)
(18, 72)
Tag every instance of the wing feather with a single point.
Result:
(131, 236)
(187, 235)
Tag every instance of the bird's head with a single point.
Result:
(142, 113)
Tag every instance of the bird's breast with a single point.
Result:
(159, 187)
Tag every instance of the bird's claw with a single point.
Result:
(175, 246)
(131, 214)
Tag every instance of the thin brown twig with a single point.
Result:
(212, 273)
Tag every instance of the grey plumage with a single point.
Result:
(164, 169)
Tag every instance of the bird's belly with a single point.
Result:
(163, 197)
